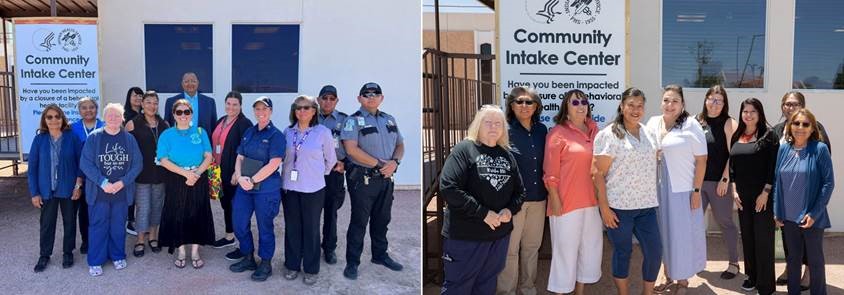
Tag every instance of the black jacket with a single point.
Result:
(229, 154)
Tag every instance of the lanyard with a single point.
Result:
(85, 129)
(298, 146)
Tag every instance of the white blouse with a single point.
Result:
(631, 179)
(679, 148)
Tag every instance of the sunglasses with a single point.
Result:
(329, 97)
(182, 112)
(582, 102)
(51, 117)
(307, 108)
(801, 124)
(370, 95)
(523, 102)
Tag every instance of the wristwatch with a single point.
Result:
(697, 189)
(379, 164)
(397, 161)
(78, 186)
(724, 179)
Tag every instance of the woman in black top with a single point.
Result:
(718, 126)
(131, 109)
(225, 138)
(149, 192)
(752, 161)
(481, 184)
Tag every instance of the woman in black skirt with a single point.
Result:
(185, 152)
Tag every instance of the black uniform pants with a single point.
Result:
(226, 202)
(49, 215)
(757, 239)
(335, 194)
(371, 203)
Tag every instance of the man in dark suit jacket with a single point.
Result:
(204, 107)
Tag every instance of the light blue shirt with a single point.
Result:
(185, 148)
(194, 104)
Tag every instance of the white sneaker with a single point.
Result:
(120, 264)
(95, 271)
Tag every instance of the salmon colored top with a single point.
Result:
(568, 165)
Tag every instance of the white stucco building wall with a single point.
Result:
(342, 43)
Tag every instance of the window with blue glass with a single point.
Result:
(174, 49)
(705, 43)
(819, 44)
(265, 58)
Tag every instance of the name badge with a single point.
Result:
(361, 122)
(336, 143)
(219, 149)
(294, 175)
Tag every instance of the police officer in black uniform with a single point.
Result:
(375, 147)
(335, 188)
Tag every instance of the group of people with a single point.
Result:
(136, 171)
(649, 179)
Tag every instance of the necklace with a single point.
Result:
(747, 137)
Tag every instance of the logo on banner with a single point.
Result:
(43, 40)
(70, 39)
(582, 11)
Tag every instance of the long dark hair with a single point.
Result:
(761, 125)
(563, 114)
(678, 123)
(520, 91)
(127, 106)
(618, 123)
(725, 112)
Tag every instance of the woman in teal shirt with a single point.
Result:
(185, 152)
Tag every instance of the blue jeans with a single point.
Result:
(642, 223)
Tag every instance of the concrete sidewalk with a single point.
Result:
(155, 273)
(706, 282)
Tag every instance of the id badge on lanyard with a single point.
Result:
(294, 175)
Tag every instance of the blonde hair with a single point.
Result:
(113, 107)
(475, 126)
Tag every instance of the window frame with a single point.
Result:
(765, 76)
(299, 61)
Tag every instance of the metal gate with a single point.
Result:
(455, 86)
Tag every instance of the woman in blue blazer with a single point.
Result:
(54, 182)
(802, 187)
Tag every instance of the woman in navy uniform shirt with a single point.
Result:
(258, 193)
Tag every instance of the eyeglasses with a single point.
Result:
(182, 112)
(715, 101)
(576, 102)
(307, 108)
(329, 97)
(52, 117)
(801, 124)
(523, 102)
(495, 124)
(792, 104)
(370, 95)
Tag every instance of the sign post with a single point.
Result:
(555, 46)
(56, 62)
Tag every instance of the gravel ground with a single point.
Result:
(155, 273)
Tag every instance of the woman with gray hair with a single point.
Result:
(481, 184)
(110, 160)
(308, 158)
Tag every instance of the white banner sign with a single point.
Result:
(55, 63)
(555, 46)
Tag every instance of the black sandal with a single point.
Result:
(180, 262)
(139, 250)
(197, 263)
(728, 274)
(155, 248)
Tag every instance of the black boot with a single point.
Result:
(247, 263)
(42, 263)
(264, 271)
